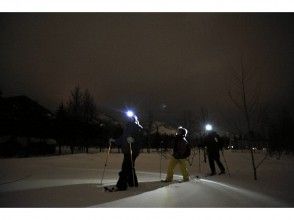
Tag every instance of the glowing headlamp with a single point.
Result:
(130, 113)
(208, 127)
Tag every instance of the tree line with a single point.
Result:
(77, 125)
(27, 128)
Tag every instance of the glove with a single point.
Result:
(130, 140)
(111, 140)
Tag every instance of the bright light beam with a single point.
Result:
(208, 127)
(130, 113)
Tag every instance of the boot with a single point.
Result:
(222, 172)
(166, 181)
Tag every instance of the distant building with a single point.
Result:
(22, 108)
(25, 127)
(162, 129)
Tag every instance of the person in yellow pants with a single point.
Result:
(181, 151)
(171, 167)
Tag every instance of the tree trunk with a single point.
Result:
(59, 149)
(253, 163)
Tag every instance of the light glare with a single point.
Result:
(130, 113)
(208, 127)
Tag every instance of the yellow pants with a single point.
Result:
(171, 167)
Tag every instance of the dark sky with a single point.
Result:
(146, 59)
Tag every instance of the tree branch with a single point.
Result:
(262, 160)
(234, 101)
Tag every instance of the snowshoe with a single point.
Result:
(182, 180)
(166, 181)
(201, 176)
(110, 189)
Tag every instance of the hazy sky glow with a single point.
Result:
(145, 59)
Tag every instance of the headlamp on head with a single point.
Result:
(130, 113)
(208, 127)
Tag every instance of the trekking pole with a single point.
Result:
(160, 160)
(192, 157)
(204, 154)
(131, 152)
(226, 163)
(199, 165)
(108, 151)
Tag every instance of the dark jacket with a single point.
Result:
(181, 148)
(131, 129)
(213, 142)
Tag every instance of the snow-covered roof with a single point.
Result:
(162, 128)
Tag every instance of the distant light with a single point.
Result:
(130, 113)
(208, 127)
(163, 106)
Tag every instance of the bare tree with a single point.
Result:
(244, 93)
(81, 107)
(60, 116)
(75, 103)
(188, 120)
(89, 108)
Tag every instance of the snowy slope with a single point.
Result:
(197, 193)
(73, 181)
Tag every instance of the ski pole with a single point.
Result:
(108, 151)
(192, 157)
(226, 163)
(131, 152)
(199, 160)
(160, 160)
(204, 154)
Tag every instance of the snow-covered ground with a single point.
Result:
(73, 181)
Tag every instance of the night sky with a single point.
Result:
(146, 60)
